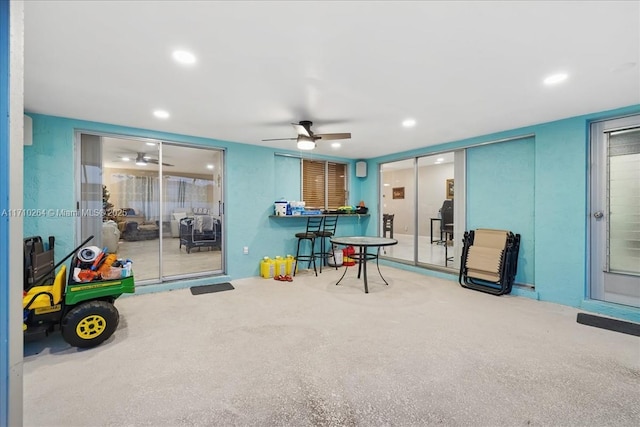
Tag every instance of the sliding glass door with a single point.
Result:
(158, 204)
(417, 195)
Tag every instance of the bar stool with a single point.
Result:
(314, 223)
(387, 224)
(328, 230)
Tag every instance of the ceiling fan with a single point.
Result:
(142, 159)
(307, 139)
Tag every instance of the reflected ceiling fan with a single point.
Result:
(142, 159)
(307, 139)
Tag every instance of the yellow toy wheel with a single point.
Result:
(89, 323)
(91, 326)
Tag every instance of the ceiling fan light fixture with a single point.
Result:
(304, 144)
(141, 160)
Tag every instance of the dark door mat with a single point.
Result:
(610, 324)
(207, 289)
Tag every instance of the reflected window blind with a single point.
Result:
(624, 202)
(313, 184)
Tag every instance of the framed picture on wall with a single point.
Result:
(398, 193)
(449, 189)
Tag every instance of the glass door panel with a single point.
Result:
(91, 195)
(435, 209)
(398, 207)
(192, 210)
(132, 176)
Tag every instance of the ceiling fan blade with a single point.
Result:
(156, 162)
(302, 130)
(328, 136)
(280, 139)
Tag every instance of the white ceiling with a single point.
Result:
(460, 69)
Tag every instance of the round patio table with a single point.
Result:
(362, 256)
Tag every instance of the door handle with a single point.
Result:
(598, 215)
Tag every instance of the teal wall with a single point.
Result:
(555, 258)
(501, 195)
(549, 184)
(49, 183)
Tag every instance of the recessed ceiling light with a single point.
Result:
(409, 123)
(125, 159)
(184, 57)
(161, 114)
(555, 78)
(151, 143)
(209, 166)
(336, 145)
(440, 159)
(386, 185)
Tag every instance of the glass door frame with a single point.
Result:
(459, 173)
(78, 193)
(598, 243)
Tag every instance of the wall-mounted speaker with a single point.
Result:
(361, 169)
(27, 135)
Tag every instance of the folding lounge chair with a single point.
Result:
(489, 260)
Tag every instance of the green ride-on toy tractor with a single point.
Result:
(83, 311)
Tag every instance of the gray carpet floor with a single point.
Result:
(421, 351)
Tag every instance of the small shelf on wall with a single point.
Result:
(306, 216)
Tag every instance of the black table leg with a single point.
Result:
(346, 267)
(362, 257)
(364, 268)
(378, 265)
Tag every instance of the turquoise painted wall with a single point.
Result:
(49, 183)
(500, 194)
(556, 260)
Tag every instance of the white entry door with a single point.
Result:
(615, 211)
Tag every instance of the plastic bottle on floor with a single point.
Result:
(281, 266)
(267, 267)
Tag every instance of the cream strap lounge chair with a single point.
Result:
(489, 260)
